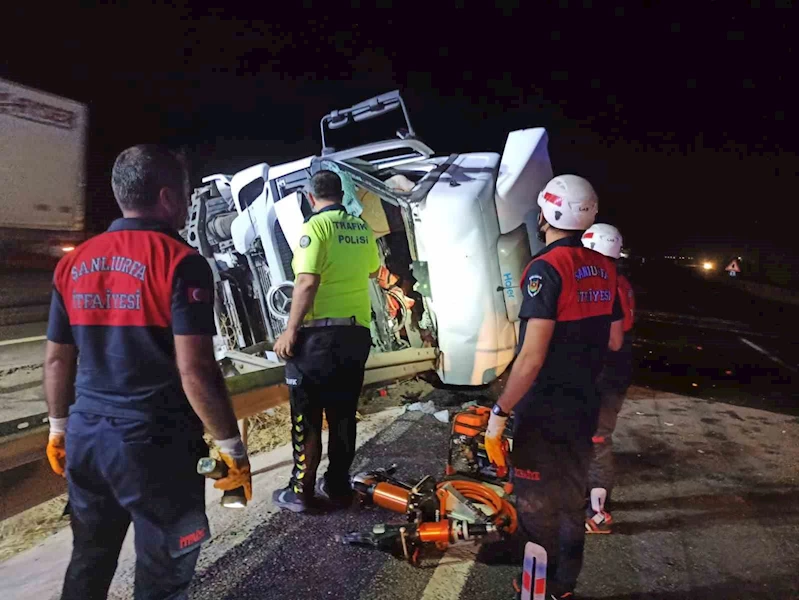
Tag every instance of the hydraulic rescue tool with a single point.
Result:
(440, 513)
(467, 453)
(216, 469)
(408, 538)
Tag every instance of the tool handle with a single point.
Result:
(234, 498)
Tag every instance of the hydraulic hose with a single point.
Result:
(504, 512)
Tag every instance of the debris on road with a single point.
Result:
(428, 407)
(442, 415)
(403, 392)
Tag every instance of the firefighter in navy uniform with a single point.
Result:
(570, 316)
(326, 343)
(612, 384)
(135, 304)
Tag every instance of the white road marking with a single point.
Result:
(36, 338)
(768, 354)
(451, 574)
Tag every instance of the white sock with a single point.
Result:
(598, 497)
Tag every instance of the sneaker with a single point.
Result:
(600, 523)
(337, 500)
(287, 498)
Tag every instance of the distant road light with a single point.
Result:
(67, 248)
(708, 266)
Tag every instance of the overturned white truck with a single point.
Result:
(454, 233)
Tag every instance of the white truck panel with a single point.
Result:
(286, 168)
(458, 228)
(289, 215)
(523, 172)
(42, 160)
(243, 178)
(514, 256)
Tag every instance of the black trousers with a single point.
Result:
(551, 454)
(121, 471)
(325, 374)
(550, 496)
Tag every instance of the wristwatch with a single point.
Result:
(497, 410)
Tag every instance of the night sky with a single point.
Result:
(685, 121)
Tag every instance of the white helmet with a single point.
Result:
(603, 238)
(569, 202)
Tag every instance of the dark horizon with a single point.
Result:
(683, 122)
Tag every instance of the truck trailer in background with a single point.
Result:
(42, 174)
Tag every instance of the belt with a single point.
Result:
(336, 322)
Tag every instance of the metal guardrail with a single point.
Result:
(25, 476)
(22, 425)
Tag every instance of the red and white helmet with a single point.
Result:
(603, 238)
(569, 202)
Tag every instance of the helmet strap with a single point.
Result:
(542, 228)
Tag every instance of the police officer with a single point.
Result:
(326, 343)
(570, 315)
(612, 384)
(126, 422)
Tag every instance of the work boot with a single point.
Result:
(338, 500)
(600, 522)
(290, 499)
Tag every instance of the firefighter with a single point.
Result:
(126, 422)
(612, 384)
(570, 316)
(326, 343)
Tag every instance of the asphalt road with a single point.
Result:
(707, 480)
(705, 508)
(699, 337)
(707, 487)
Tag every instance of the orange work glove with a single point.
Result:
(494, 442)
(57, 453)
(238, 475)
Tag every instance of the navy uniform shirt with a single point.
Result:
(120, 297)
(577, 288)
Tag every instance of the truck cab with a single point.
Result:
(454, 235)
